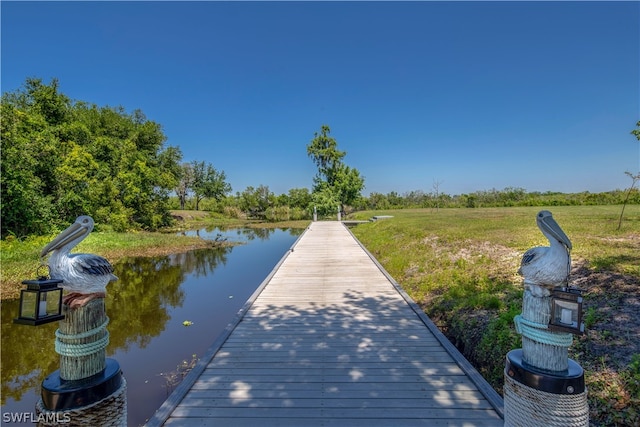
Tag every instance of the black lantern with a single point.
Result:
(40, 302)
(566, 311)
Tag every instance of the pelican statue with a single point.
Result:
(85, 275)
(547, 266)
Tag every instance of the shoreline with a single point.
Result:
(19, 258)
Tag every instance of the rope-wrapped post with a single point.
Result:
(542, 386)
(81, 340)
(541, 348)
(89, 388)
(545, 403)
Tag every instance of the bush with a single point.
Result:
(279, 213)
(298, 213)
(233, 212)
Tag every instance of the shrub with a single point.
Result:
(278, 213)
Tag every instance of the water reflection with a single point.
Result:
(146, 308)
(235, 234)
(153, 287)
(27, 354)
(138, 306)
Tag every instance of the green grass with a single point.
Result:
(460, 266)
(592, 230)
(20, 259)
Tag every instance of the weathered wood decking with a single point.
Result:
(330, 339)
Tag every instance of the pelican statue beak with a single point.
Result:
(73, 232)
(547, 223)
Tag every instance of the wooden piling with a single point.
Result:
(83, 328)
(540, 355)
(88, 389)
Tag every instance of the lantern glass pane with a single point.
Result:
(52, 303)
(566, 313)
(29, 302)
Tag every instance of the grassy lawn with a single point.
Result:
(19, 259)
(461, 266)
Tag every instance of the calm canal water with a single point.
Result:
(147, 308)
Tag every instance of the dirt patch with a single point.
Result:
(499, 253)
(612, 338)
(612, 316)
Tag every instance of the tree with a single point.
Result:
(62, 158)
(185, 182)
(76, 175)
(335, 183)
(32, 119)
(634, 178)
(208, 182)
(436, 193)
(324, 201)
(323, 149)
(378, 201)
(256, 201)
(27, 207)
(636, 131)
(299, 198)
(47, 101)
(347, 185)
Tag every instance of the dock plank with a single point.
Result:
(330, 339)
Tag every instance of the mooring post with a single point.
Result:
(339, 213)
(81, 340)
(315, 214)
(543, 350)
(542, 386)
(89, 388)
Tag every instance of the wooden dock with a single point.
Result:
(330, 339)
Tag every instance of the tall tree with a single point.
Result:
(335, 183)
(323, 150)
(208, 182)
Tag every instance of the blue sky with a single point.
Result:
(468, 95)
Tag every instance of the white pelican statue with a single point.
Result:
(547, 266)
(85, 275)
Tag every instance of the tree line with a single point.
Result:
(506, 197)
(62, 158)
